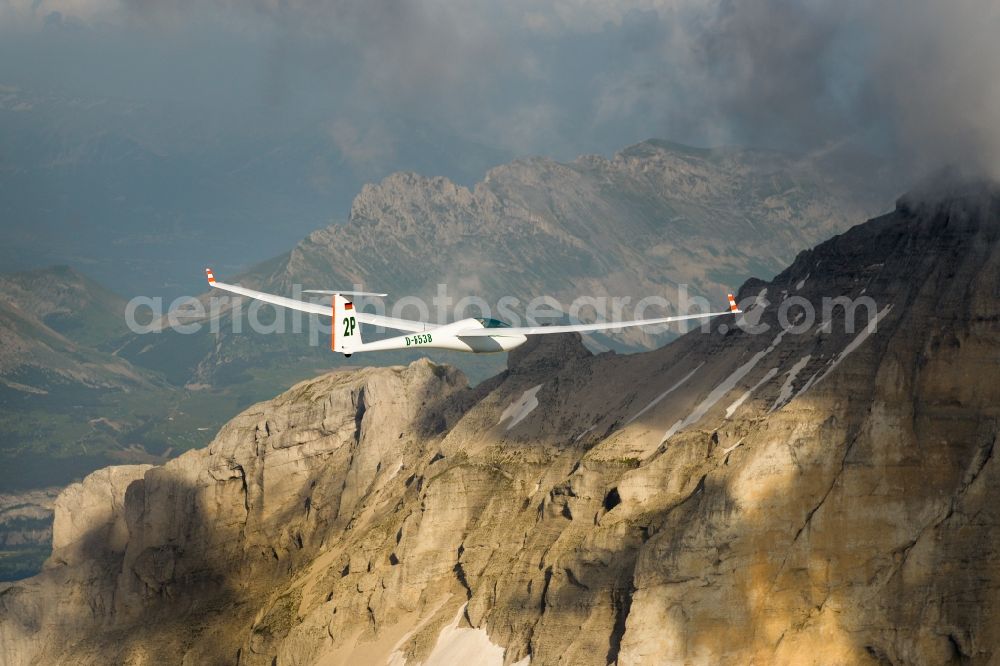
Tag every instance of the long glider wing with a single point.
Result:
(586, 328)
(316, 308)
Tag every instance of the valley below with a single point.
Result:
(25, 532)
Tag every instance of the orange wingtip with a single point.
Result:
(732, 305)
(210, 276)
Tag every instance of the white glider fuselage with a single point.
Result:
(445, 337)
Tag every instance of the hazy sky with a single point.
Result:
(915, 80)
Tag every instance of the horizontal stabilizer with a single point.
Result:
(331, 292)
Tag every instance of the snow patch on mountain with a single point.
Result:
(521, 408)
(464, 645)
(722, 389)
(663, 395)
(856, 342)
(731, 409)
(785, 394)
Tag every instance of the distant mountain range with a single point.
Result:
(55, 323)
(69, 402)
(651, 217)
(639, 224)
(63, 393)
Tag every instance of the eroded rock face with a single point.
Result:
(817, 495)
(89, 520)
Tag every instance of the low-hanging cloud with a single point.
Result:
(915, 83)
(921, 76)
(936, 76)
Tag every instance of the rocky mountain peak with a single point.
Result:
(545, 353)
(949, 188)
(818, 490)
(410, 232)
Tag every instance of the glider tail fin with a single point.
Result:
(345, 333)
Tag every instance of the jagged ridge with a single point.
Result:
(817, 496)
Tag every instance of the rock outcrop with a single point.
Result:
(804, 493)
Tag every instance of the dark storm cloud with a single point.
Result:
(936, 76)
(918, 80)
(915, 82)
(770, 67)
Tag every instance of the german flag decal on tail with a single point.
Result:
(345, 336)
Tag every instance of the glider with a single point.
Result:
(479, 336)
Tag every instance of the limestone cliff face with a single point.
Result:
(812, 495)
